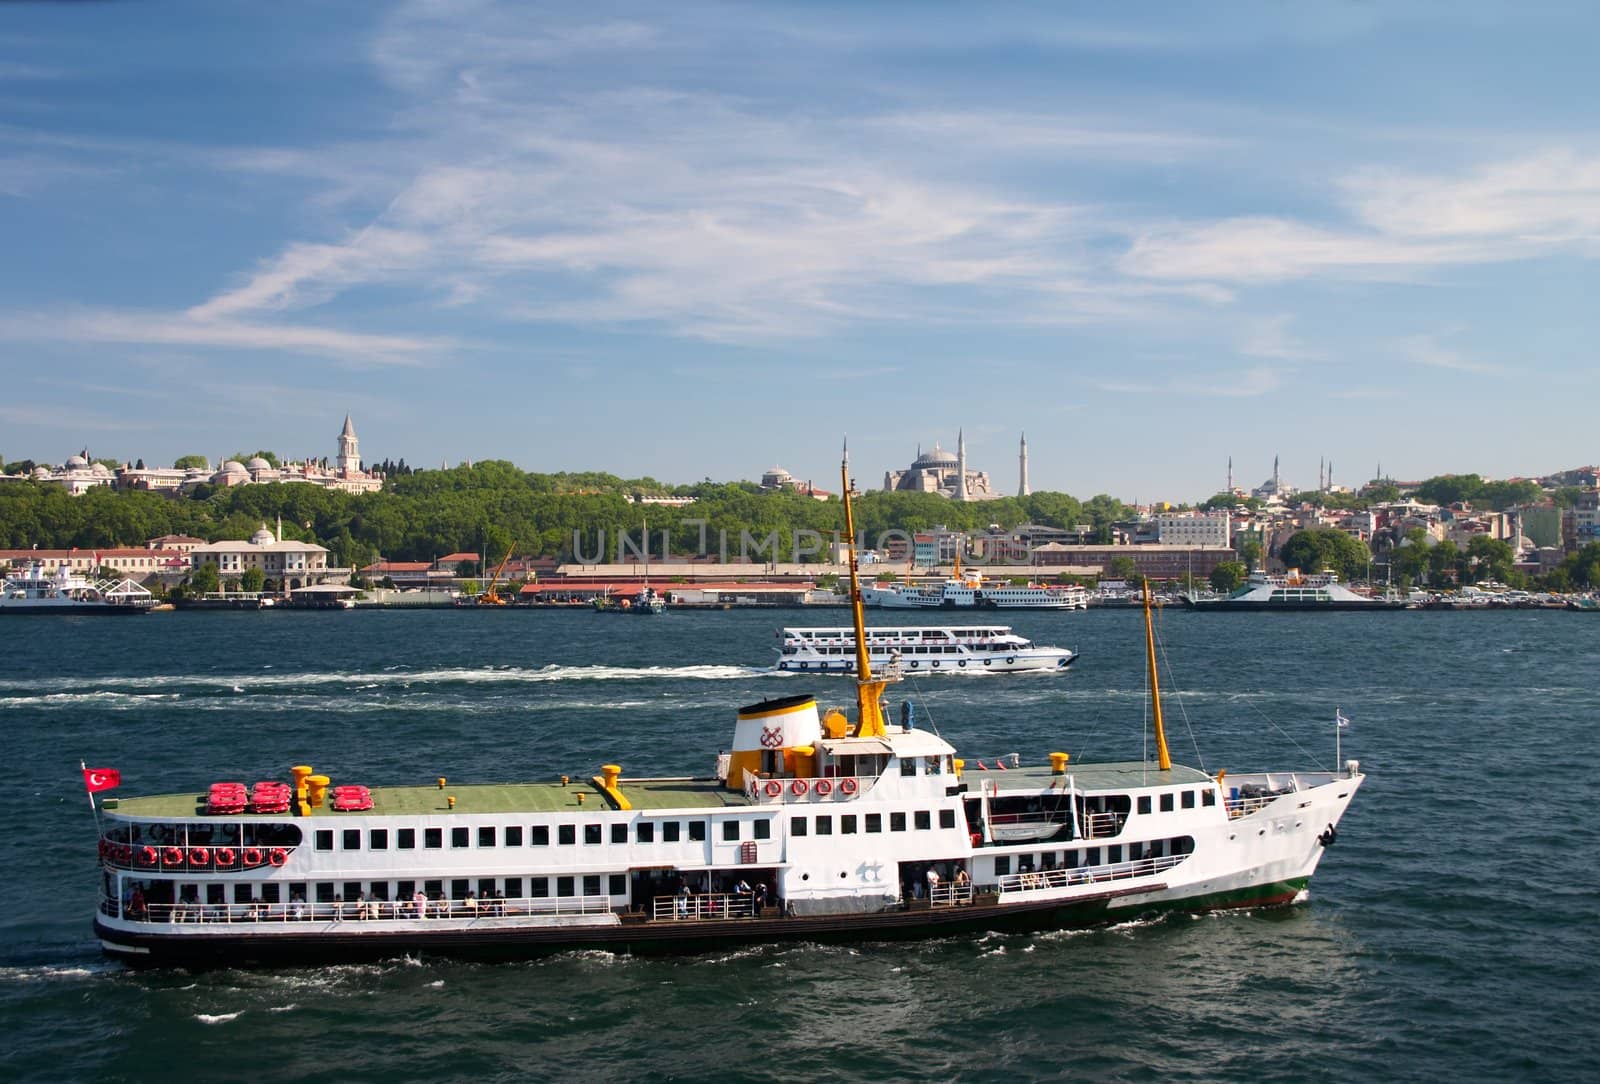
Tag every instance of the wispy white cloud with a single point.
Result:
(1426, 350)
(1248, 383)
(114, 326)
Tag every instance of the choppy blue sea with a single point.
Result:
(1452, 933)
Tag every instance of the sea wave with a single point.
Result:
(49, 689)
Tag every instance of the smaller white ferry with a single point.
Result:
(1294, 591)
(972, 592)
(933, 649)
(33, 590)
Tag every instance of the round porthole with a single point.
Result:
(805, 876)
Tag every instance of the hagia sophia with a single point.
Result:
(948, 475)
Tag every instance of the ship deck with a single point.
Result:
(646, 794)
(642, 794)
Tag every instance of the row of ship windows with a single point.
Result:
(594, 884)
(538, 835)
(822, 824)
(1094, 856)
(1185, 798)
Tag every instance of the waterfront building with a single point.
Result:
(1192, 529)
(137, 562)
(297, 564)
(776, 478)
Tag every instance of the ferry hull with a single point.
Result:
(1253, 606)
(142, 949)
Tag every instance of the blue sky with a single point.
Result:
(694, 240)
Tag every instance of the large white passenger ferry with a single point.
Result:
(972, 591)
(934, 649)
(814, 826)
(36, 590)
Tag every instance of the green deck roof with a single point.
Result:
(642, 794)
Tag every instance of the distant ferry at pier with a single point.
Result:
(33, 590)
(971, 592)
(920, 648)
(1294, 591)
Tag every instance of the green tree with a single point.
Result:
(1121, 567)
(252, 580)
(1490, 557)
(191, 462)
(1322, 547)
(270, 457)
(1443, 560)
(204, 579)
(1228, 576)
(1248, 547)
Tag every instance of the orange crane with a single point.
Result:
(491, 597)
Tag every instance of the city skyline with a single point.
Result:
(695, 242)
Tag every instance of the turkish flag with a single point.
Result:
(97, 779)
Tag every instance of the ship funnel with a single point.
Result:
(766, 732)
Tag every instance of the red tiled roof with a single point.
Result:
(459, 557)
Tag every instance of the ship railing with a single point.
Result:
(1253, 792)
(828, 788)
(701, 907)
(951, 894)
(356, 910)
(1067, 877)
(1101, 825)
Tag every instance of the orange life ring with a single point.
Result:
(823, 787)
(199, 856)
(847, 785)
(278, 856)
(148, 856)
(225, 856)
(172, 856)
(252, 856)
(774, 788)
(797, 788)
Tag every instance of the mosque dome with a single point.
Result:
(76, 461)
(263, 537)
(935, 459)
(775, 478)
(257, 463)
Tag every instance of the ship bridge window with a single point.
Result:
(730, 831)
(486, 835)
(874, 822)
(1166, 803)
(591, 834)
(406, 839)
(1144, 803)
(433, 838)
(897, 822)
(697, 831)
(539, 835)
(908, 766)
(797, 826)
(824, 826)
(619, 833)
(324, 839)
(1188, 800)
(1208, 797)
(847, 824)
(644, 832)
(947, 818)
(566, 834)
(564, 886)
(763, 829)
(272, 835)
(514, 837)
(922, 820)
(352, 839)
(460, 837)
(671, 831)
(378, 839)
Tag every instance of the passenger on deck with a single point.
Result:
(419, 903)
(471, 904)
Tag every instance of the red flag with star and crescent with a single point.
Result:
(98, 779)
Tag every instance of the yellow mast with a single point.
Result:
(1163, 758)
(869, 691)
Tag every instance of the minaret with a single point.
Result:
(349, 448)
(1023, 489)
(1277, 483)
(1330, 475)
(1230, 474)
(1322, 474)
(961, 465)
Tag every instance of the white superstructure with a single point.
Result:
(947, 649)
(35, 590)
(973, 592)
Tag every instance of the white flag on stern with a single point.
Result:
(1338, 717)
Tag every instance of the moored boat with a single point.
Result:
(973, 591)
(946, 649)
(34, 590)
(1294, 591)
(813, 826)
